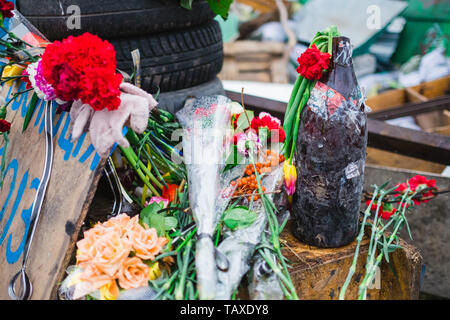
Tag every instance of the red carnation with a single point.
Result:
(26, 79)
(312, 62)
(6, 7)
(271, 124)
(100, 89)
(66, 82)
(5, 126)
(91, 64)
(386, 210)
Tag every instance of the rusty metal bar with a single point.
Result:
(411, 109)
(413, 143)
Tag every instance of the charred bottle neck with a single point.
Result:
(340, 75)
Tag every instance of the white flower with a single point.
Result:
(235, 108)
(248, 141)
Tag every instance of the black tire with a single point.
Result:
(113, 18)
(174, 100)
(174, 60)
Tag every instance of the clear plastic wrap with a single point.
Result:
(238, 246)
(263, 282)
(24, 30)
(205, 121)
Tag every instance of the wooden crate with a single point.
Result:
(247, 60)
(435, 122)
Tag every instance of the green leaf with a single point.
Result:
(158, 222)
(170, 223)
(239, 217)
(149, 216)
(152, 219)
(220, 7)
(242, 122)
(152, 208)
(30, 111)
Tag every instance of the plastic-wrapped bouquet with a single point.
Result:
(205, 121)
(114, 256)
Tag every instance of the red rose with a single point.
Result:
(5, 126)
(6, 7)
(312, 62)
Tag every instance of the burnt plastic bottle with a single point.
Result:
(330, 157)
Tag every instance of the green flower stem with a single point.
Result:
(146, 171)
(150, 175)
(167, 285)
(374, 237)
(330, 44)
(128, 153)
(179, 291)
(317, 40)
(292, 295)
(188, 238)
(358, 244)
(158, 174)
(297, 83)
(2, 166)
(283, 272)
(163, 159)
(303, 102)
(372, 268)
(13, 36)
(289, 116)
(9, 45)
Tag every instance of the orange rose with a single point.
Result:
(110, 251)
(133, 273)
(121, 222)
(146, 242)
(95, 277)
(86, 249)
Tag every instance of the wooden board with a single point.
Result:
(252, 47)
(75, 174)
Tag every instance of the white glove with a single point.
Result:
(106, 126)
